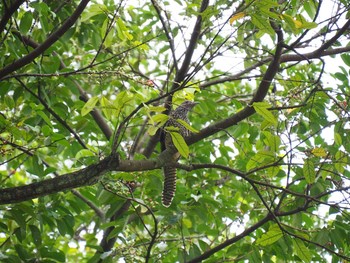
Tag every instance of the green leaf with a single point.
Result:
(261, 108)
(45, 118)
(57, 256)
(341, 160)
(93, 10)
(84, 153)
(22, 252)
(309, 171)
(271, 236)
(259, 159)
(156, 122)
(346, 59)
(36, 235)
(310, 8)
(26, 23)
(152, 130)
(89, 105)
(301, 250)
(123, 99)
(180, 144)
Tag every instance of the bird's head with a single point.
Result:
(187, 105)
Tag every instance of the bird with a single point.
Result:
(169, 170)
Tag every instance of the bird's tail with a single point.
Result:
(169, 185)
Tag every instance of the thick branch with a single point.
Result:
(191, 47)
(47, 43)
(87, 176)
(8, 12)
(260, 94)
(314, 54)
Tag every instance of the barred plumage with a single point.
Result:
(169, 185)
(170, 170)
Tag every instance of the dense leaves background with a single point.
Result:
(85, 88)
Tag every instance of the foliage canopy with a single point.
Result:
(86, 87)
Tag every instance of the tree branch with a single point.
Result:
(233, 240)
(86, 176)
(8, 12)
(191, 47)
(167, 33)
(260, 94)
(95, 113)
(46, 44)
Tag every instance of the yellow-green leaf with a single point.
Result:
(160, 118)
(105, 29)
(180, 144)
(152, 130)
(301, 250)
(122, 100)
(45, 118)
(262, 24)
(123, 30)
(236, 17)
(337, 139)
(340, 161)
(319, 152)
(309, 171)
(157, 121)
(187, 126)
(187, 223)
(89, 105)
(271, 236)
(261, 108)
(108, 108)
(157, 108)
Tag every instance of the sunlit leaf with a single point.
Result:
(301, 250)
(262, 109)
(187, 126)
(180, 144)
(319, 152)
(271, 236)
(93, 10)
(108, 108)
(236, 17)
(262, 24)
(89, 105)
(123, 30)
(309, 171)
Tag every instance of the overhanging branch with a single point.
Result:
(47, 43)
